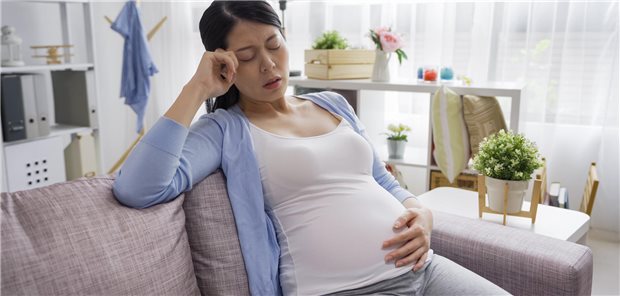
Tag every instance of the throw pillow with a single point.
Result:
(449, 133)
(212, 233)
(483, 117)
(75, 238)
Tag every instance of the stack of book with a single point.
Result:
(557, 196)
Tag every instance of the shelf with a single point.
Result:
(55, 131)
(415, 157)
(494, 88)
(38, 68)
(465, 171)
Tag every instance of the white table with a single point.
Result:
(551, 221)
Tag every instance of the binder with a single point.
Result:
(81, 156)
(30, 106)
(74, 97)
(42, 99)
(13, 125)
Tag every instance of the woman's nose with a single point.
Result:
(267, 63)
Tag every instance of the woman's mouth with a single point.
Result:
(273, 83)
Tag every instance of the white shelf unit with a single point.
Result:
(59, 132)
(420, 157)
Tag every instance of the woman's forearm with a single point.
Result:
(187, 104)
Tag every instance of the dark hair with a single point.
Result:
(216, 23)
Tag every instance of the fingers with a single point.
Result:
(404, 219)
(420, 262)
(407, 249)
(228, 64)
(404, 236)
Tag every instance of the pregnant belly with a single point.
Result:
(337, 235)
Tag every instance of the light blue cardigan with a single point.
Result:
(171, 158)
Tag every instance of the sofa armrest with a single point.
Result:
(519, 261)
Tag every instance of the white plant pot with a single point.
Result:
(396, 149)
(495, 193)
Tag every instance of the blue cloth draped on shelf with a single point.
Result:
(138, 65)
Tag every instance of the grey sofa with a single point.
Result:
(74, 238)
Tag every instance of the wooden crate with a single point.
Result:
(339, 63)
(463, 181)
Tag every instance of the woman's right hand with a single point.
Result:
(216, 72)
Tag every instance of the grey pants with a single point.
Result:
(440, 276)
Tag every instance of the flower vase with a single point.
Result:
(381, 68)
(396, 149)
(495, 192)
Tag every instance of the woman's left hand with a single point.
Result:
(415, 241)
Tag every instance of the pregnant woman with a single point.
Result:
(315, 209)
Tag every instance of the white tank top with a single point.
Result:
(331, 216)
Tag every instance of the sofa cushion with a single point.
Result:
(213, 239)
(449, 133)
(483, 117)
(75, 238)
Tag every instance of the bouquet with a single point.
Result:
(389, 42)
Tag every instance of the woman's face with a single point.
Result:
(262, 74)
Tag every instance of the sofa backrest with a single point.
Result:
(75, 238)
(218, 262)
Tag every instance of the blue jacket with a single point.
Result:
(171, 158)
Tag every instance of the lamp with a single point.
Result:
(11, 44)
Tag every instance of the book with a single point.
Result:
(554, 192)
(42, 98)
(13, 123)
(563, 198)
(30, 106)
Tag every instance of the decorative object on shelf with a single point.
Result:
(11, 45)
(465, 181)
(420, 73)
(330, 40)
(53, 56)
(386, 43)
(507, 160)
(446, 73)
(397, 140)
(330, 58)
(465, 79)
(430, 74)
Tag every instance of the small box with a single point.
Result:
(34, 164)
(463, 181)
(339, 63)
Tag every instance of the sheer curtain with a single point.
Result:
(566, 53)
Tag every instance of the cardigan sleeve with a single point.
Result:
(168, 160)
(379, 172)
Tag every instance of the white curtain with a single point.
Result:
(566, 53)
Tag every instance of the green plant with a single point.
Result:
(397, 132)
(507, 156)
(330, 40)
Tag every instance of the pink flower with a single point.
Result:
(379, 31)
(390, 42)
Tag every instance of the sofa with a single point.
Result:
(74, 238)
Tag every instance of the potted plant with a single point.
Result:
(386, 43)
(397, 140)
(331, 58)
(506, 157)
